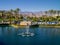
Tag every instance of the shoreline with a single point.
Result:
(22, 26)
(17, 26)
(41, 25)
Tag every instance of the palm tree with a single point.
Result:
(51, 12)
(58, 12)
(9, 14)
(46, 12)
(58, 17)
(16, 11)
(11, 11)
(2, 14)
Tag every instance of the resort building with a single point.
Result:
(25, 23)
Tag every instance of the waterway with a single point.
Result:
(42, 36)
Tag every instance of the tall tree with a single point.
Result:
(58, 12)
(51, 12)
(16, 11)
(2, 13)
(46, 12)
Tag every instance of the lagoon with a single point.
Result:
(43, 36)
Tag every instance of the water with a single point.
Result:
(43, 36)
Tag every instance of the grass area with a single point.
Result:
(17, 26)
(50, 25)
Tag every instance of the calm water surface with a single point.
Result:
(43, 36)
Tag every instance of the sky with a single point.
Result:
(30, 5)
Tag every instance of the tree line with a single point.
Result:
(12, 15)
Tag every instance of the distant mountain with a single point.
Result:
(40, 13)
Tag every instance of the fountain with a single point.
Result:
(27, 33)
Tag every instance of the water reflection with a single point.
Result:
(43, 36)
